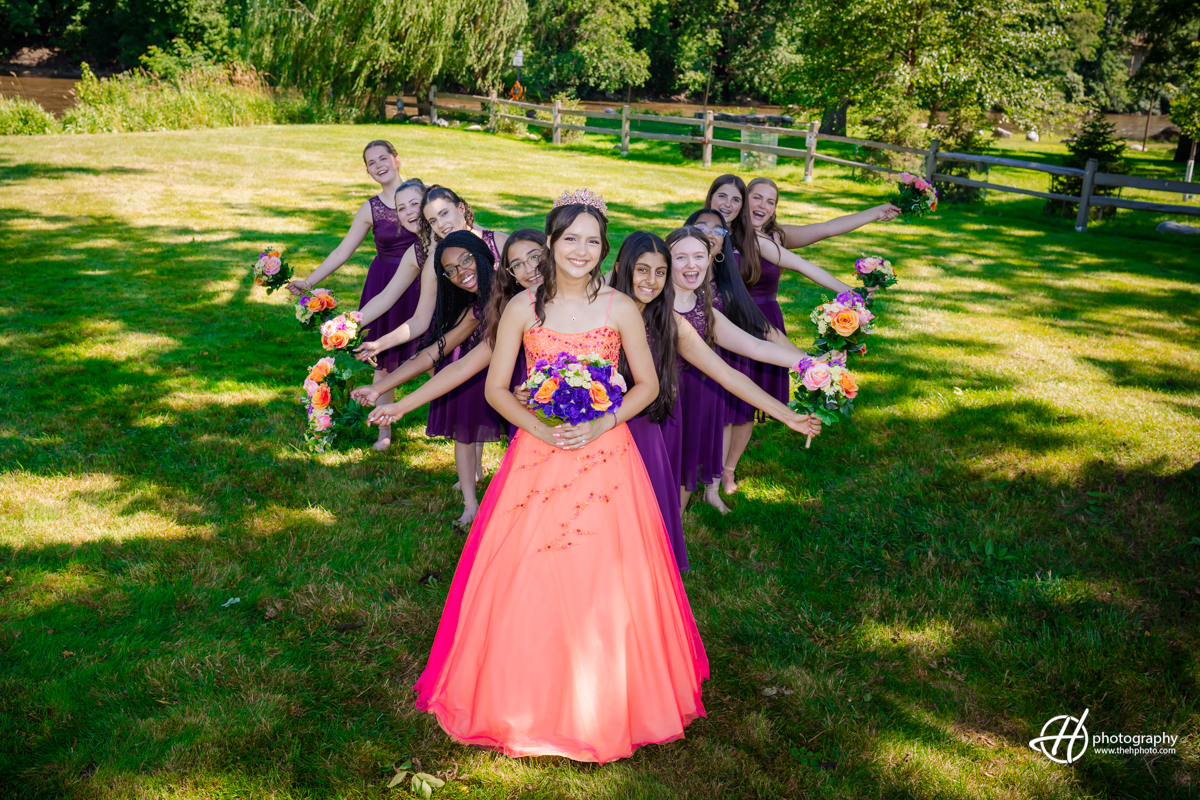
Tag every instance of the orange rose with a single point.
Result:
(845, 322)
(849, 386)
(321, 398)
(600, 400)
(329, 301)
(546, 391)
(273, 254)
(318, 374)
(336, 340)
(315, 303)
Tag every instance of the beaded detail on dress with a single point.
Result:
(545, 343)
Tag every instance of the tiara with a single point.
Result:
(582, 197)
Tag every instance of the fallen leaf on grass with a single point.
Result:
(231, 601)
(68, 654)
(348, 626)
(771, 691)
(990, 775)
(273, 611)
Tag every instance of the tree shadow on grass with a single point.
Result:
(32, 170)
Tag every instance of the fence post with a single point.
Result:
(708, 137)
(556, 120)
(1085, 195)
(810, 143)
(1187, 175)
(492, 111)
(931, 159)
(625, 130)
(433, 104)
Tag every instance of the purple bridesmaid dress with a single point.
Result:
(392, 241)
(771, 379)
(693, 434)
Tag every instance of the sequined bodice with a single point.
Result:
(391, 238)
(544, 343)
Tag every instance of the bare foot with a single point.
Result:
(713, 498)
(382, 444)
(729, 483)
(468, 516)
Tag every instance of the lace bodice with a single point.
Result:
(544, 343)
(391, 238)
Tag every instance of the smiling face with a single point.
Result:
(649, 276)
(523, 262)
(763, 198)
(459, 266)
(382, 166)
(445, 217)
(710, 224)
(579, 250)
(728, 200)
(689, 263)
(408, 207)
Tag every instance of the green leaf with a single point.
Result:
(397, 778)
(436, 783)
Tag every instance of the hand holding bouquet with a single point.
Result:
(330, 407)
(824, 388)
(315, 307)
(271, 270)
(917, 196)
(843, 324)
(573, 390)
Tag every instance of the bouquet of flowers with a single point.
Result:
(271, 270)
(824, 387)
(875, 271)
(917, 196)
(343, 332)
(329, 405)
(843, 324)
(316, 307)
(571, 390)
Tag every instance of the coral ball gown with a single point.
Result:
(567, 631)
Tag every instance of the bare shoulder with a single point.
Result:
(623, 306)
(519, 309)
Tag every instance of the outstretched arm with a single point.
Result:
(796, 236)
(421, 362)
(701, 356)
(450, 378)
(416, 325)
(779, 351)
(790, 261)
(359, 229)
(406, 273)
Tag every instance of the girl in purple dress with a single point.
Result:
(760, 256)
(643, 271)
(390, 216)
(442, 212)
(695, 433)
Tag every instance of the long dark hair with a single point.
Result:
(454, 303)
(771, 226)
(745, 239)
(436, 192)
(739, 307)
(557, 222)
(704, 291)
(659, 316)
(505, 286)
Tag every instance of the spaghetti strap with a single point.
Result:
(609, 311)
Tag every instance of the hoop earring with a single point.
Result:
(720, 258)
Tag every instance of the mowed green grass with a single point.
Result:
(1006, 532)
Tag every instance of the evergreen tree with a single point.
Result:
(1097, 139)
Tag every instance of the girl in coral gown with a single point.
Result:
(567, 631)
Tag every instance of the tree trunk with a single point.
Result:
(1183, 150)
(833, 119)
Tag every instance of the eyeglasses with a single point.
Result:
(532, 261)
(466, 262)
(717, 231)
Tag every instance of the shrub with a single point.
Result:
(21, 117)
(1097, 139)
(199, 97)
(569, 100)
(896, 124)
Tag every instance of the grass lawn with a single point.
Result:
(1006, 532)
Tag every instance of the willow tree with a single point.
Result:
(356, 51)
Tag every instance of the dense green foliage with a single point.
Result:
(1185, 106)
(1097, 138)
(22, 117)
(1001, 535)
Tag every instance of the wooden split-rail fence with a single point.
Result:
(498, 107)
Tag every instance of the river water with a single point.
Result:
(56, 96)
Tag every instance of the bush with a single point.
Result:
(1097, 139)
(896, 124)
(198, 97)
(569, 100)
(21, 117)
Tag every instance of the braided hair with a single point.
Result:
(453, 302)
(739, 306)
(659, 316)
